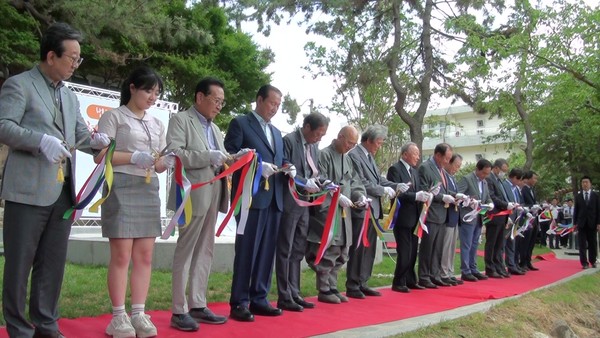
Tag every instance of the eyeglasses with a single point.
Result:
(75, 61)
(216, 101)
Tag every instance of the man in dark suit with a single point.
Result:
(40, 121)
(586, 219)
(255, 248)
(300, 148)
(450, 231)
(525, 244)
(432, 172)
(512, 189)
(495, 227)
(404, 171)
(475, 186)
(361, 258)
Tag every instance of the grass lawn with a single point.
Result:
(84, 291)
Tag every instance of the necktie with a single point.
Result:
(516, 193)
(443, 178)
(310, 161)
(586, 197)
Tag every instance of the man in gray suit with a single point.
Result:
(511, 187)
(41, 123)
(300, 148)
(431, 173)
(361, 258)
(198, 142)
(450, 231)
(475, 186)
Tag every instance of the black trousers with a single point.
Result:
(588, 245)
(406, 249)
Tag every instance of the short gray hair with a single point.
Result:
(407, 146)
(374, 132)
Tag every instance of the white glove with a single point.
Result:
(268, 169)
(448, 199)
(168, 161)
(291, 171)
(142, 159)
(217, 157)
(510, 206)
(362, 201)
(460, 196)
(401, 188)
(390, 192)
(474, 204)
(242, 152)
(436, 190)
(344, 201)
(422, 196)
(99, 141)
(311, 186)
(53, 149)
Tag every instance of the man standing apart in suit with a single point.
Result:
(336, 165)
(524, 245)
(255, 248)
(431, 172)
(475, 186)
(300, 148)
(450, 231)
(495, 227)
(404, 171)
(198, 142)
(361, 258)
(40, 121)
(586, 219)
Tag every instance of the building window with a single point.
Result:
(478, 157)
(479, 123)
(479, 131)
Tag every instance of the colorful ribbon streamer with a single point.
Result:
(331, 225)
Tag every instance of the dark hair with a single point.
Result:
(141, 78)
(454, 157)
(204, 85)
(516, 172)
(498, 163)
(585, 177)
(442, 148)
(483, 163)
(315, 120)
(264, 91)
(528, 174)
(569, 199)
(52, 40)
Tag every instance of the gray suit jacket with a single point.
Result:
(372, 181)
(27, 112)
(429, 175)
(468, 185)
(186, 137)
(293, 148)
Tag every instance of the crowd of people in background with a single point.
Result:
(493, 196)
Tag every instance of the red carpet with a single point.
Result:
(327, 318)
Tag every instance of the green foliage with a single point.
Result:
(19, 47)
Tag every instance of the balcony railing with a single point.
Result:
(467, 138)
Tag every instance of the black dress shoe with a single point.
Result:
(205, 315)
(492, 274)
(504, 273)
(241, 314)
(415, 287)
(289, 305)
(439, 282)
(428, 285)
(457, 281)
(480, 276)
(265, 310)
(355, 294)
(307, 305)
(585, 266)
(532, 268)
(400, 288)
(55, 334)
(369, 291)
(516, 272)
(594, 265)
(524, 268)
(449, 281)
(469, 278)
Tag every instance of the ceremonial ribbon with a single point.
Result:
(331, 225)
(422, 217)
(390, 221)
(499, 213)
(362, 236)
(321, 196)
(102, 173)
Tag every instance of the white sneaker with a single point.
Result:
(120, 327)
(143, 325)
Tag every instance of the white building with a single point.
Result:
(467, 132)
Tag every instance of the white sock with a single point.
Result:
(137, 309)
(118, 310)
